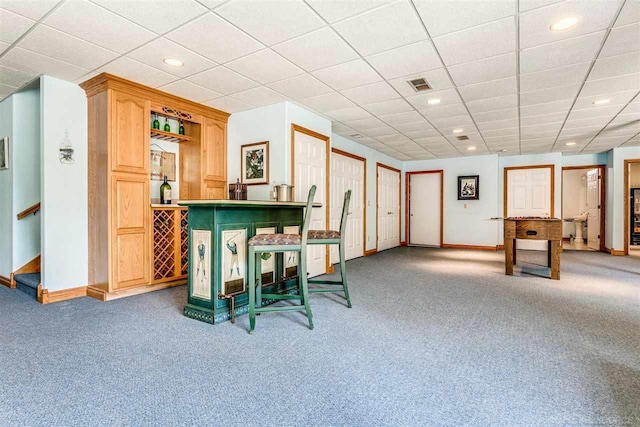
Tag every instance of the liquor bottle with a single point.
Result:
(167, 127)
(165, 192)
(181, 128)
(156, 122)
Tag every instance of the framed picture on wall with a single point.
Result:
(469, 187)
(163, 163)
(4, 153)
(255, 163)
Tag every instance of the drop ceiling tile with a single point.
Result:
(497, 133)
(316, 50)
(525, 5)
(191, 91)
(4, 46)
(615, 98)
(498, 124)
(405, 60)
(228, 104)
(476, 43)
(203, 36)
(29, 9)
(327, 102)
(489, 89)
(614, 84)
(592, 16)
(502, 141)
(33, 63)
(368, 94)
(454, 121)
(492, 104)
(348, 75)
(629, 14)
(337, 10)
(536, 133)
(492, 116)
(545, 118)
(81, 19)
(413, 127)
(160, 17)
(397, 119)
(439, 111)
(549, 95)
(546, 108)
(607, 111)
(382, 29)
(539, 130)
(433, 142)
(580, 133)
(223, 80)
(484, 70)
(571, 74)
(348, 114)
(561, 53)
(154, 52)
(428, 133)
(446, 16)
(446, 97)
(437, 79)
(14, 78)
(300, 87)
(259, 96)
(622, 40)
(6, 90)
(138, 72)
(212, 4)
(265, 67)
(616, 66)
(341, 128)
(380, 131)
(13, 26)
(365, 124)
(58, 45)
(386, 108)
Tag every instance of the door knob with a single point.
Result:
(389, 213)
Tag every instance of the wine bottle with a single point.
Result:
(167, 127)
(156, 122)
(181, 128)
(165, 192)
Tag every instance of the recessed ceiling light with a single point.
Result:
(356, 136)
(471, 148)
(433, 101)
(458, 130)
(570, 143)
(564, 24)
(601, 101)
(173, 62)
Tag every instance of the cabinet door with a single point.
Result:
(214, 190)
(130, 230)
(214, 150)
(129, 133)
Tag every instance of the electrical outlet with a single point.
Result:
(465, 206)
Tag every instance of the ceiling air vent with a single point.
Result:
(462, 137)
(356, 135)
(420, 85)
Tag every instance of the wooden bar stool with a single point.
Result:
(331, 237)
(266, 243)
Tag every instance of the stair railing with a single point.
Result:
(30, 210)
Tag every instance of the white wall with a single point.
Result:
(466, 222)
(6, 187)
(64, 186)
(154, 188)
(618, 228)
(574, 198)
(26, 176)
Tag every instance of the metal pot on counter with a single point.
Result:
(283, 193)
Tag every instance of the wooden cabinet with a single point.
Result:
(128, 252)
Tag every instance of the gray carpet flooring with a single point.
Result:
(434, 338)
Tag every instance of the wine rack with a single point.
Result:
(184, 241)
(170, 244)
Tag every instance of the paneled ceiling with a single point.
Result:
(501, 76)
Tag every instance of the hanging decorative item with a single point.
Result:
(4, 153)
(66, 149)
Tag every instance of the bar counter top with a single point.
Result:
(248, 203)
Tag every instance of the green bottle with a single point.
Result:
(156, 122)
(167, 128)
(181, 128)
(165, 192)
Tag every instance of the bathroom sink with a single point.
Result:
(582, 217)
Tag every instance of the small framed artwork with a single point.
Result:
(163, 163)
(255, 163)
(469, 187)
(4, 153)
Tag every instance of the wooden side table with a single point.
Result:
(549, 229)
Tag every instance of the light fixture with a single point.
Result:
(356, 136)
(503, 150)
(570, 143)
(601, 101)
(564, 24)
(458, 130)
(433, 101)
(471, 148)
(173, 62)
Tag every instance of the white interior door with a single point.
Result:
(593, 209)
(310, 169)
(529, 194)
(347, 173)
(424, 212)
(388, 208)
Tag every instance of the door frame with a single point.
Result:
(505, 183)
(364, 195)
(603, 189)
(382, 165)
(327, 140)
(407, 203)
(627, 165)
